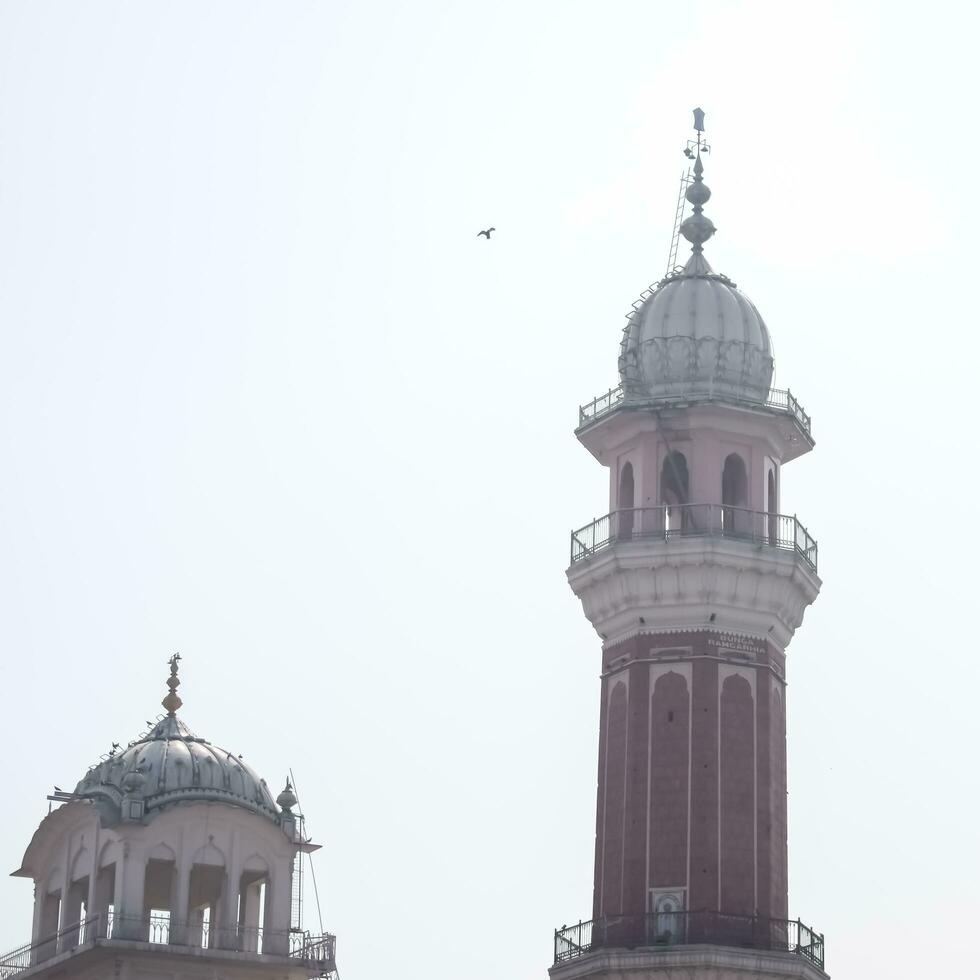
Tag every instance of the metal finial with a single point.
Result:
(287, 798)
(698, 229)
(172, 702)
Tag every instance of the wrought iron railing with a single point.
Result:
(66, 939)
(756, 527)
(318, 952)
(777, 400)
(664, 929)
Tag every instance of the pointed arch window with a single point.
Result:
(734, 495)
(675, 491)
(625, 503)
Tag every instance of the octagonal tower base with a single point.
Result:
(688, 963)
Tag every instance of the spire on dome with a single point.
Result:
(172, 701)
(698, 229)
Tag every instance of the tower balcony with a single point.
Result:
(686, 566)
(291, 954)
(663, 938)
(777, 402)
(758, 529)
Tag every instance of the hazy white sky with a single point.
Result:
(265, 399)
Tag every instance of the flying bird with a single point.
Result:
(485, 233)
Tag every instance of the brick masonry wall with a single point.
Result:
(692, 774)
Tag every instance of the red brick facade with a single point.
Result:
(692, 774)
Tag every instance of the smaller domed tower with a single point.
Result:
(170, 858)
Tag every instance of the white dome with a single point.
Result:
(696, 334)
(170, 764)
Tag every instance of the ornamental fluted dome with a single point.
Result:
(696, 333)
(169, 764)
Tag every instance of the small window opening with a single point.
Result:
(625, 503)
(675, 492)
(159, 926)
(734, 496)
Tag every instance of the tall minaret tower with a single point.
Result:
(695, 581)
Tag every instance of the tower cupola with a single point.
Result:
(170, 858)
(695, 333)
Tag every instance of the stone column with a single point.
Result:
(104, 888)
(227, 904)
(249, 917)
(128, 896)
(38, 912)
(179, 928)
(93, 926)
(65, 888)
(275, 936)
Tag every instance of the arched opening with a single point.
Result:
(675, 492)
(625, 503)
(772, 507)
(668, 921)
(206, 888)
(46, 944)
(159, 886)
(253, 898)
(734, 496)
(74, 912)
(105, 888)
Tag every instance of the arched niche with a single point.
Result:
(209, 854)
(256, 863)
(161, 852)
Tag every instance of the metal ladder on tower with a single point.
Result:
(678, 220)
(296, 898)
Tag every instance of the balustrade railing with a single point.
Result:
(777, 399)
(756, 527)
(663, 929)
(63, 941)
(317, 951)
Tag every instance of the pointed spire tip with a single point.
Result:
(172, 701)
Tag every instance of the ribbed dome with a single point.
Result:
(696, 334)
(170, 764)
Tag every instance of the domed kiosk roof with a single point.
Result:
(695, 333)
(170, 764)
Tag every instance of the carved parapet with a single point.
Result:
(687, 583)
